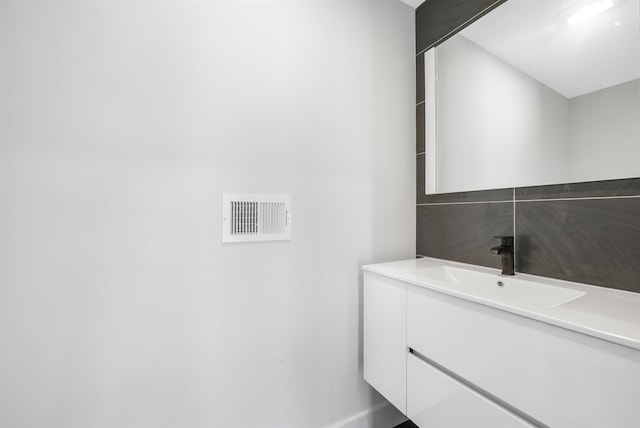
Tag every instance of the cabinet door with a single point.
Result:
(385, 363)
(436, 400)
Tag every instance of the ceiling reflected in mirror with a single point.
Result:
(573, 47)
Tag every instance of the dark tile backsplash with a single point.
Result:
(591, 189)
(493, 195)
(420, 118)
(463, 232)
(421, 198)
(438, 19)
(595, 241)
(584, 232)
(420, 78)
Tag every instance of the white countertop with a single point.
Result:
(605, 313)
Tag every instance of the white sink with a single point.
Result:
(509, 290)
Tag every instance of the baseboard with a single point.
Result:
(382, 415)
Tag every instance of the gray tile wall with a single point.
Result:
(596, 241)
(584, 232)
(463, 232)
(439, 19)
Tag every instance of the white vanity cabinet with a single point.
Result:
(384, 337)
(446, 361)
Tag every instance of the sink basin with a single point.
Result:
(498, 288)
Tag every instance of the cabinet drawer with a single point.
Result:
(561, 378)
(436, 400)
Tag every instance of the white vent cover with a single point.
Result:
(248, 218)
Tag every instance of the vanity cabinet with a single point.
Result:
(384, 337)
(449, 362)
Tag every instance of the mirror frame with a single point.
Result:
(436, 22)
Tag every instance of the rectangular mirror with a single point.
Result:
(535, 93)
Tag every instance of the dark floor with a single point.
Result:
(407, 424)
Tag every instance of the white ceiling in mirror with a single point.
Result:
(570, 59)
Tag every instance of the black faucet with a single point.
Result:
(506, 251)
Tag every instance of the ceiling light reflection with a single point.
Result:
(590, 11)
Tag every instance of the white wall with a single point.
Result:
(604, 128)
(479, 95)
(122, 124)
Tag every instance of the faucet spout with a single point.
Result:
(502, 249)
(505, 250)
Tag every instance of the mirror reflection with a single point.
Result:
(538, 92)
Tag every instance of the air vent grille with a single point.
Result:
(248, 218)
